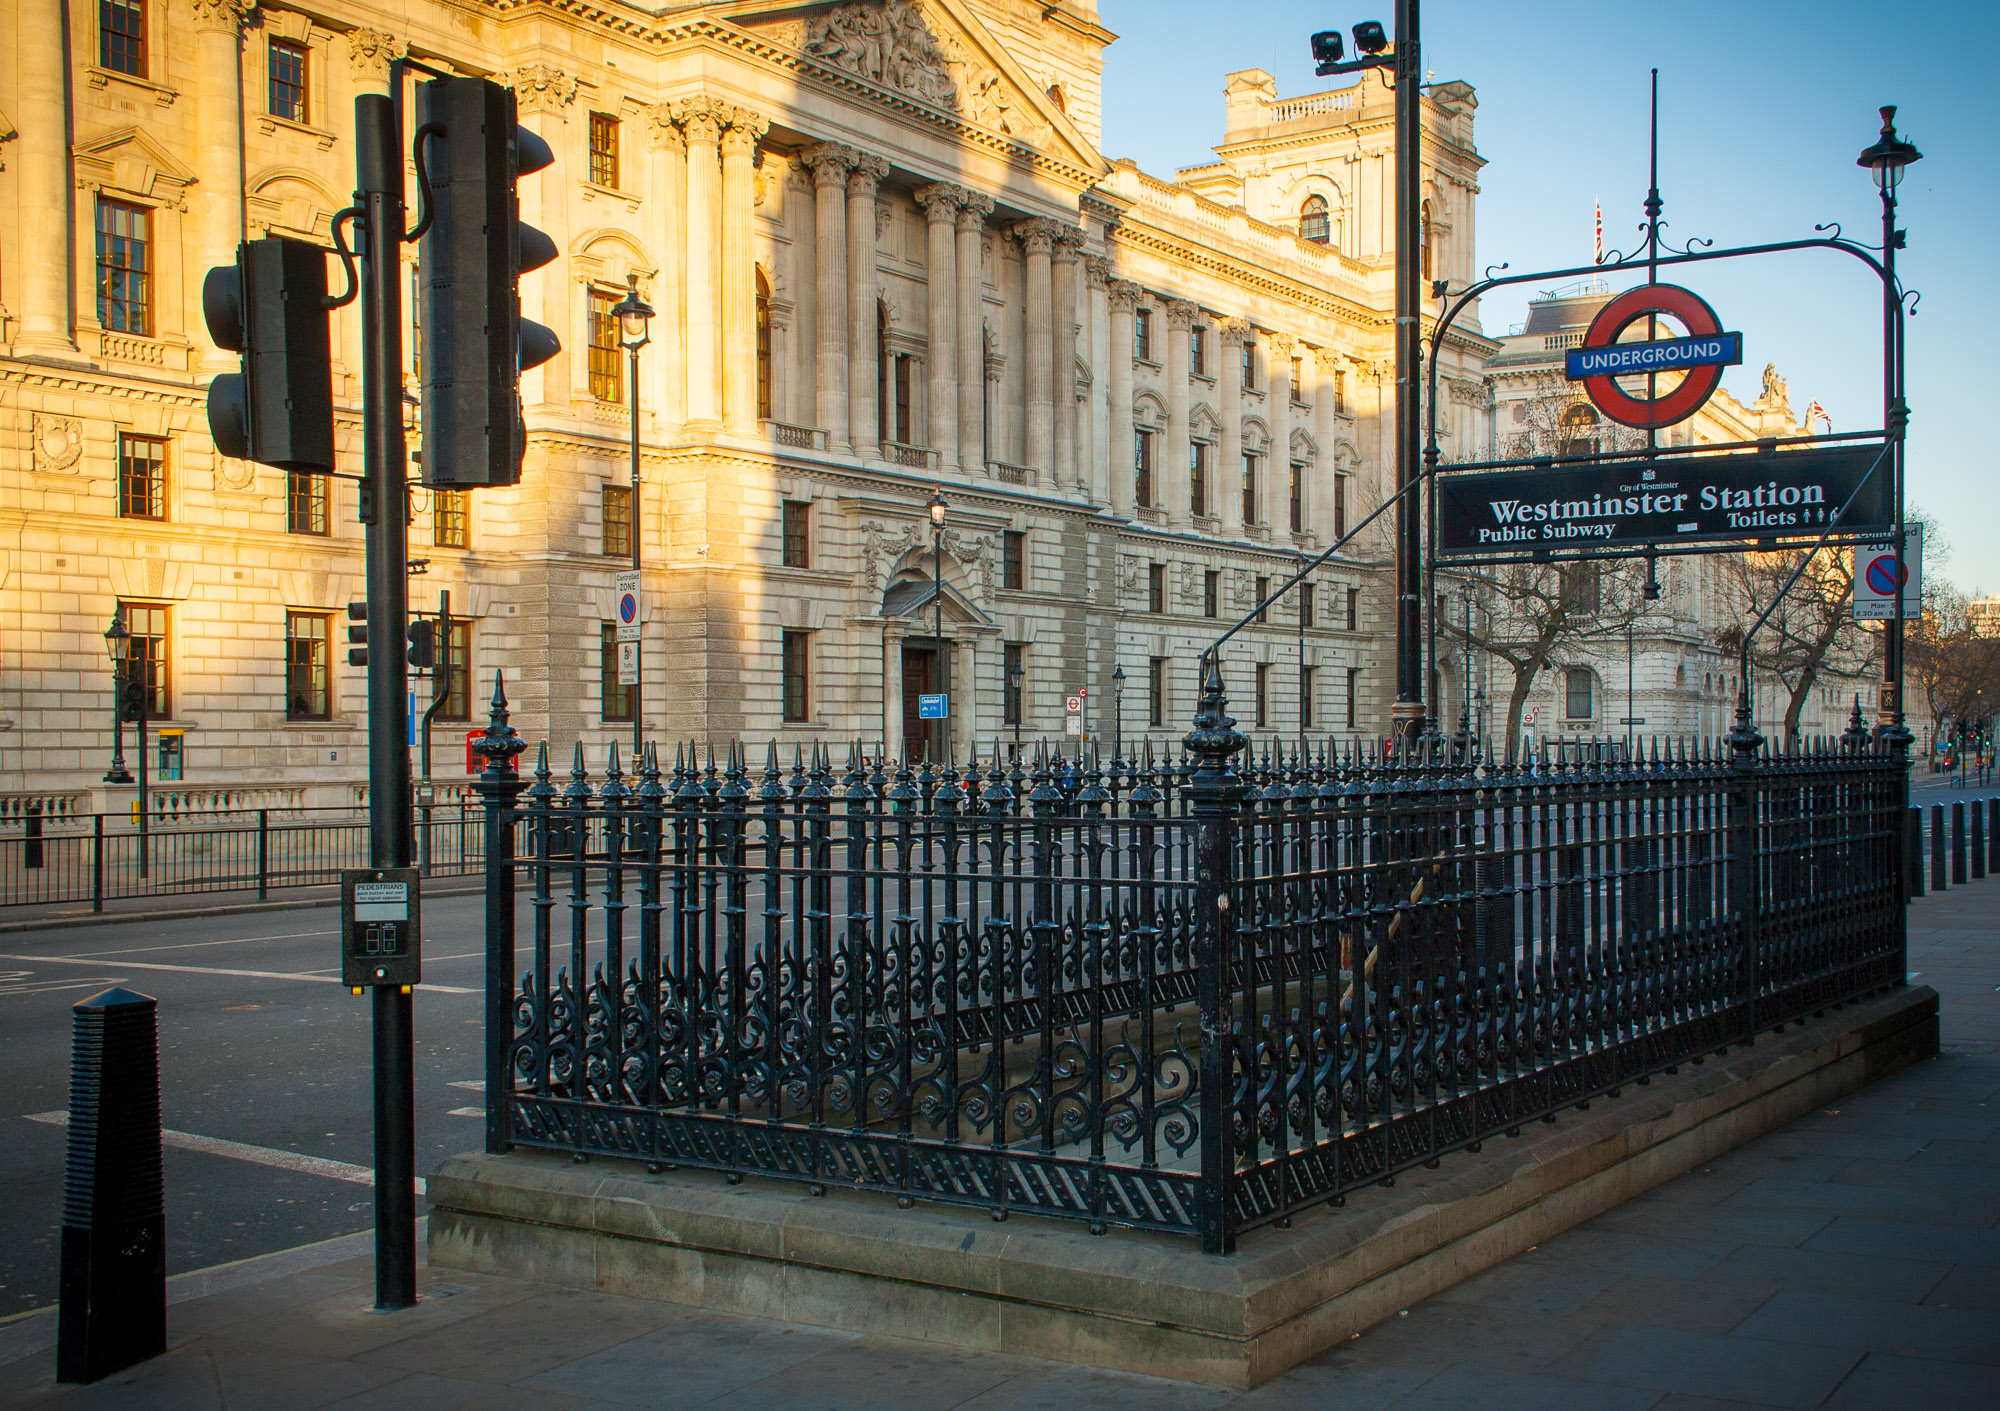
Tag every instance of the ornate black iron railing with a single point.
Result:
(1195, 996)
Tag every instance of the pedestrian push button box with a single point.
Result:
(381, 935)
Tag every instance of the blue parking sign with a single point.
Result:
(933, 707)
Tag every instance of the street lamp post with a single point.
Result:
(1303, 710)
(1016, 680)
(634, 326)
(938, 508)
(1465, 696)
(1886, 159)
(1118, 712)
(117, 641)
(133, 685)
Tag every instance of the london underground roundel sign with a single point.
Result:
(1700, 357)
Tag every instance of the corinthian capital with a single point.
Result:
(972, 215)
(829, 162)
(538, 88)
(223, 15)
(745, 128)
(1234, 332)
(941, 201)
(1181, 314)
(1037, 236)
(1125, 296)
(370, 52)
(1069, 244)
(868, 172)
(665, 132)
(1281, 345)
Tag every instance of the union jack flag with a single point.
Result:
(1816, 412)
(1599, 207)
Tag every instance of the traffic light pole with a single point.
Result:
(1408, 713)
(385, 514)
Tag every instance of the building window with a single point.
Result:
(1353, 695)
(414, 301)
(1198, 350)
(142, 477)
(906, 380)
(763, 347)
(614, 695)
(1298, 374)
(1577, 683)
(1579, 430)
(124, 267)
(287, 64)
(1142, 335)
(797, 669)
(1339, 505)
(1315, 224)
(604, 150)
(1307, 612)
(307, 690)
(1015, 666)
(151, 663)
(1156, 691)
(1263, 693)
(1308, 693)
(1250, 491)
(1353, 609)
(1142, 467)
(605, 384)
(1424, 239)
(1156, 588)
(457, 668)
(1298, 498)
(1249, 365)
(121, 36)
(305, 503)
(1014, 560)
(798, 534)
(1340, 391)
(1582, 588)
(1211, 593)
(616, 514)
(451, 519)
(1263, 592)
(1198, 477)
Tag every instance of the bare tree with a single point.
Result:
(1811, 634)
(1956, 666)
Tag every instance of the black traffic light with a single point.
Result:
(423, 644)
(357, 631)
(471, 261)
(270, 306)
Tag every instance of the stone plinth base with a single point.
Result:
(1142, 1302)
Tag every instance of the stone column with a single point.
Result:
(43, 187)
(739, 270)
(1124, 298)
(972, 450)
(830, 165)
(1037, 239)
(1093, 447)
(1170, 474)
(218, 196)
(941, 203)
(701, 124)
(864, 353)
(1326, 432)
(1068, 252)
(1277, 486)
(1230, 336)
(669, 346)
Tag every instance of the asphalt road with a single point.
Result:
(260, 1045)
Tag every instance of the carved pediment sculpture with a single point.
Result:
(892, 44)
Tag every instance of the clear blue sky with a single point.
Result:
(1763, 109)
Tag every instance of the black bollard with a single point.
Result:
(1938, 850)
(1958, 874)
(1978, 848)
(114, 1263)
(31, 848)
(1913, 854)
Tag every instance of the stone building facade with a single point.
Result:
(1675, 670)
(888, 262)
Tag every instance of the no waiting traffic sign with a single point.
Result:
(626, 589)
(1875, 578)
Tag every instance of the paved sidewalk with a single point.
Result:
(1850, 1261)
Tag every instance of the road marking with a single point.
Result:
(476, 1085)
(18, 982)
(466, 1112)
(217, 970)
(197, 945)
(243, 1151)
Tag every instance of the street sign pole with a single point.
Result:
(1408, 716)
(384, 513)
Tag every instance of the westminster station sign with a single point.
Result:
(1663, 502)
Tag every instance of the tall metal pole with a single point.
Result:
(385, 500)
(145, 666)
(632, 524)
(1889, 711)
(1631, 705)
(1408, 716)
(1302, 590)
(937, 620)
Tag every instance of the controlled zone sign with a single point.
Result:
(625, 588)
(1875, 577)
(1664, 502)
(1600, 360)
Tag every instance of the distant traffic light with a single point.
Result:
(357, 613)
(471, 261)
(270, 306)
(423, 644)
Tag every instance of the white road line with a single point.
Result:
(243, 1151)
(476, 1085)
(466, 1112)
(197, 945)
(217, 970)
